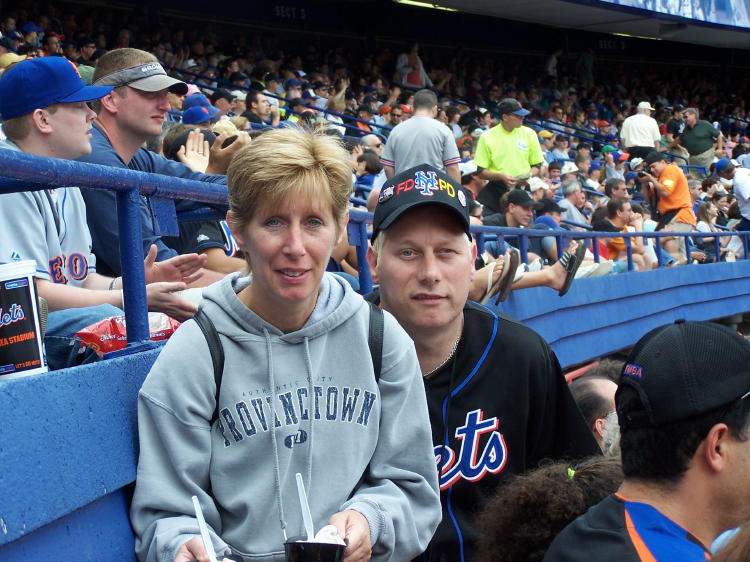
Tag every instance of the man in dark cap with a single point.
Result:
(498, 402)
(507, 152)
(684, 423)
(223, 100)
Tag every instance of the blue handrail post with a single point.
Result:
(657, 251)
(629, 248)
(479, 237)
(131, 244)
(357, 232)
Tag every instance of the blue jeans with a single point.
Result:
(62, 326)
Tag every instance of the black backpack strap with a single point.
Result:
(216, 350)
(375, 339)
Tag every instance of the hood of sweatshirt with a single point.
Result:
(337, 302)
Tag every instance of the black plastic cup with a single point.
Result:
(302, 551)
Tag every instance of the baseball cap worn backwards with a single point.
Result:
(147, 77)
(420, 185)
(684, 370)
(36, 83)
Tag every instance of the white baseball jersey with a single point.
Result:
(48, 227)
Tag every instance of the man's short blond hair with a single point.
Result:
(117, 60)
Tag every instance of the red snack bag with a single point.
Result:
(110, 334)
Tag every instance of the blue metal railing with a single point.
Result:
(26, 172)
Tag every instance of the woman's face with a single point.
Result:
(289, 248)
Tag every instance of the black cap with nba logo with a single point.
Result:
(420, 185)
(684, 370)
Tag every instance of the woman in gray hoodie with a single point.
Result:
(298, 392)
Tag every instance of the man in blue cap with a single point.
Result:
(44, 112)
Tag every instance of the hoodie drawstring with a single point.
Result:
(308, 364)
(277, 473)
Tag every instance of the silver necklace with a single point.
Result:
(452, 353)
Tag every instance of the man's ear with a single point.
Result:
(372, 261)
(110, 101)
(40, 121)
(716, 447)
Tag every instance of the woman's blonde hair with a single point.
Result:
(288, 164)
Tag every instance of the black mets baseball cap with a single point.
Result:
(684, 370)
(420, 185)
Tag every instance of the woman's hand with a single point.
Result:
(355, 529)
(194, 550)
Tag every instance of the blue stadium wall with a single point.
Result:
(68, 453)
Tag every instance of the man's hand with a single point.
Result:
(193, 550)
(219, 158)
(275, 116)
(355, 529)
(194, 153)
(510, 181)
(161, 298)
(185, 268)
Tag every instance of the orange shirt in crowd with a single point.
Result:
(674, 181)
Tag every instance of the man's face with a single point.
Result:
(262, 108)
(425, 269)
(396, 116)
(52, 44)
(139, 113)
(626, 214)
(657, 167)
(519, 215)
(88, 49)
(71, 130)
(175, 100)
(223, 105)
(374, 144)
(322, 91)
(293, 92)
(512, 121)
(690, 119)
(620, 190)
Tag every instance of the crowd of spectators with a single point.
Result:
(557, 153)
(591, 133)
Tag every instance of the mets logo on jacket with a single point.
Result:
(471, 464)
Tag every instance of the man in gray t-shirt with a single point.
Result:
(421, 140)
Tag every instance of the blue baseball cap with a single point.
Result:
(722, 164)
(30, 26)
(37, 83)
(195, 100)
(199, 114)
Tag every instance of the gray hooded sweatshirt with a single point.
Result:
(306, 402)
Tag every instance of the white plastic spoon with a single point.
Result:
(207, 544)
(306, 515)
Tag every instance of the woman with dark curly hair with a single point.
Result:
(529, 510)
